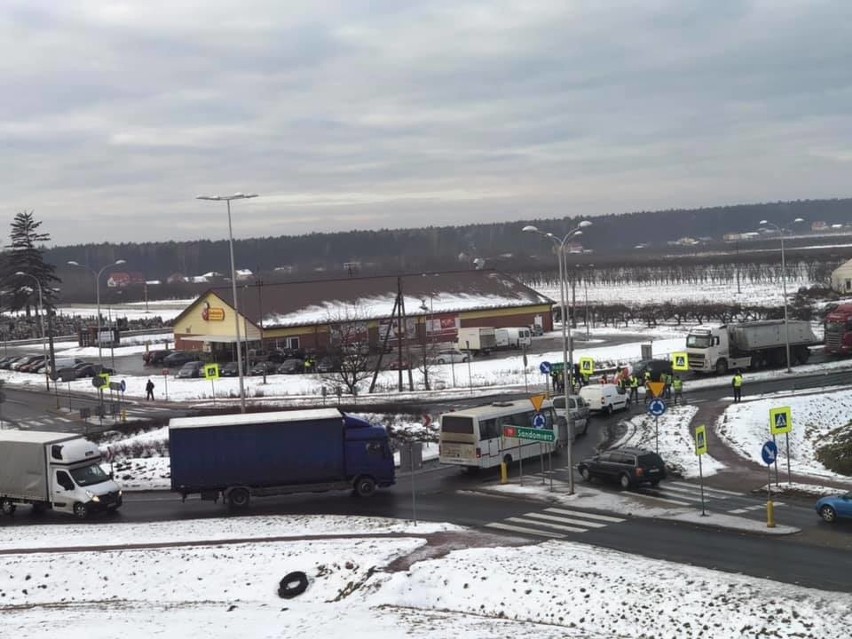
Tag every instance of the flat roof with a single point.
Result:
(35, 436)
(240, 419)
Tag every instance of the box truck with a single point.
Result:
(748, 345)
(58, 471)
(838, 330)
(477, 339)
(242, 456)
(508, 338)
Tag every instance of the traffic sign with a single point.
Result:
(539, 421)
(769, 453)
(537, 401)
(587, 366)
(701, 440)
(680, 361)
(533, 434)
(100, 381)
(211, 371)
(656, 388)
(122, 386)
(545, 368)
(657, 407)
(780, 420)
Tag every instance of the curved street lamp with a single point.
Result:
(97, 275)
(227, 199)
(567, 344)
(41, 321)
(781, 232)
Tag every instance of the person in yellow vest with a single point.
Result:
(677, 386)
(634, 390)
(737, 384)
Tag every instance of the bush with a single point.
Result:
(836, 454)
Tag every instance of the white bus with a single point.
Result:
(474, 437)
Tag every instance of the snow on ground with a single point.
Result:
(213, 590)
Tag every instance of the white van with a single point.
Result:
(604, 398)
(579, 411)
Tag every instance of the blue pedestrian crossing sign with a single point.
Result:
(656, 407)
(769, 452)
(780, 420)
(545, 368)
(539, 421)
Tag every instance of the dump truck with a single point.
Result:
(745, 345)
(54, 471)
(237, 457)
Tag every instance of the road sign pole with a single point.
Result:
(413, 491)
(550, 466)
(541, 457)
(657, 432)
(520, 463)
(701, 483)
(777, 483)
(213, 391)
(789, 473)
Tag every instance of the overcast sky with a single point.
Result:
(388, 113)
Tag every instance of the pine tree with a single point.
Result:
(26, 254)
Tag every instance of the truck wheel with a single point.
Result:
(7, 507)
(365, 486)
(81, 511)
(239, 498)
(721, 367)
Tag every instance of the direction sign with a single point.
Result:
(680, 362)
(769, 453)
(587, 366)
(539, 421)
(780, 420)
(545, 368)
(657, 407)
(533, 434)
(701, 440)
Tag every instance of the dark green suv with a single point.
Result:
(627, 466)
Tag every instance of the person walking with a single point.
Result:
(149, 389)
(634, 390)
(667, 380)
(677, 386)
(737, 384)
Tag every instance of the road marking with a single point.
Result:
(676, 502)
(567, 520)
(694, 492)
(562, 511)
(526, 531)
(717, 490)
(521, 520)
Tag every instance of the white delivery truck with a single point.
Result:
(58, 471)
(477, 339)
(730, 347)
(513, 337)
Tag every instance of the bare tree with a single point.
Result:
(349, 348)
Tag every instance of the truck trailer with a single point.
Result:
(58, 471)
(241, 456)
(748, 345)
(477, 339)
(838, 330)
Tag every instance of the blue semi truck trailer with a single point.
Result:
(239, 457)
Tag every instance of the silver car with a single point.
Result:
(579, 411)
(449, 356)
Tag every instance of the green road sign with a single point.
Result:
(780, 420)
(532, 434)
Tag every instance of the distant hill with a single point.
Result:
(498, 245)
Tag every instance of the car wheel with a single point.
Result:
(624, 480)
(585, 474)
(81, 511)
(441, 361)
(609, 410)
(828, 514)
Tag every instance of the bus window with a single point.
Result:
(458, 425)
(489, 429)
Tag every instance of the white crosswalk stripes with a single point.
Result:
(546, 522)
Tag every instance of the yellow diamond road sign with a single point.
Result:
(701, 440)
(680, 362)
(587, 366)
(780, 420)
(211, 371)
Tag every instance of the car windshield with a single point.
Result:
(89, 475)
(699, 341)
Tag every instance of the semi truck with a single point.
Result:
(745, 345)
(510, 338)
(838, 330)
(57, 471)
(477, 339)
(242, 456)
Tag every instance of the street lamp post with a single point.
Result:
(227, 199)
(567, 344)
(41, 321)
(781, 231)
(97, 275)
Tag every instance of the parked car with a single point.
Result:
(191, 369)
(155, 357)
(579, 411)
(264, 368)
(90, 370)
(33, 366)
(449, 356)
(834, 507)
(178, 359)
(291, 366)
(604, 398)
(229, 369)
(655, 366)
(326, 365)
(394, 364)
(627, 466)
(24, 361)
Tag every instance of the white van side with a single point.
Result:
(604, 398)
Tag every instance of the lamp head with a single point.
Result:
(799, 220)
(20, 273)
(764, 222)
(117, 262)
(73, 263)
(584, 224)
(529, 228)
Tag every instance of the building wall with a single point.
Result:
(841, 278)
(210, 316)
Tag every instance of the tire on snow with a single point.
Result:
(293, 585)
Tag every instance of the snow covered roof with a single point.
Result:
(363, 298)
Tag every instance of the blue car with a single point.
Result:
(835, 507)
